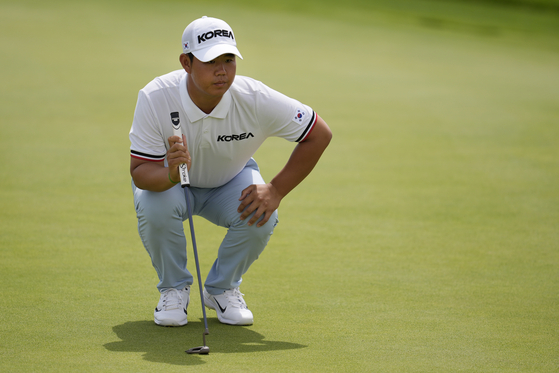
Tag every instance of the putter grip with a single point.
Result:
(183, 168)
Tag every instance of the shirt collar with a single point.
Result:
(194, 113)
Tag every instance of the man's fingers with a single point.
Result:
(258, 201)
(246, 192)
(174, 140)
(178, 151)
(264, 219)
(248, 206)
(262, 210)
(178, 144)
(246, 210)
(245, 201)
(261, 216)
(256, 216)
(182, 157)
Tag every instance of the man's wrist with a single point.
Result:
(171, 180)
(275, 190)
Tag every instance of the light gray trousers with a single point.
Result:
(160, 224)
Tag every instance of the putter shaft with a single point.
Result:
(205, 349)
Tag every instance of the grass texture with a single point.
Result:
(426, 240)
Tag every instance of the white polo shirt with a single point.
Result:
(222, 142)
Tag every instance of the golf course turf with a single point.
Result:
(425, 240)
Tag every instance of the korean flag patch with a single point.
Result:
(299, 116)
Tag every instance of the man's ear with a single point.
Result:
(186, 63)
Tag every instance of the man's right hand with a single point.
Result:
(177, 155)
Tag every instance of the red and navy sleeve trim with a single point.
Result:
(147, 157)
(309, 128)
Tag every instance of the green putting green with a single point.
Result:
(426, 239)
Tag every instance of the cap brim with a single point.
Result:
(214, 51)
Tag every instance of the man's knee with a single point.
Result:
(265, 230)
(157, 208)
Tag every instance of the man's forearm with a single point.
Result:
(304, 158)
(152, 176)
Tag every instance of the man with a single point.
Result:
(224, 119)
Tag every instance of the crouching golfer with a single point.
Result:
(224, 119)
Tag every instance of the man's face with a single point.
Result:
(211, 79)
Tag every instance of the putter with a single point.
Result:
(202, 350)
(185, 183)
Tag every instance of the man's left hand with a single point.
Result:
(263, 199)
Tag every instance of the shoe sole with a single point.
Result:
(170, 322)
(211, 305)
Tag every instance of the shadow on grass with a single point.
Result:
(168, 345)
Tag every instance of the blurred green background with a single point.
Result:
(426, 240)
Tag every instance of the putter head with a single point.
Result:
(202, 350)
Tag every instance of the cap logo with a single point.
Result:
(186, 45)
(214, 34)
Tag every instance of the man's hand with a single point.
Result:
(262, 198)
(177, 155)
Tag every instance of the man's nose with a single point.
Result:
(220, 69)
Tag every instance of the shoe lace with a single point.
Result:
(172, 299)
(235, 298)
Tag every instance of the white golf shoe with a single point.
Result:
(230, 307)
(171, 309)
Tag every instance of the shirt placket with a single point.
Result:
(206, 133)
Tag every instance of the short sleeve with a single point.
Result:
(145, 135)
(282, 116)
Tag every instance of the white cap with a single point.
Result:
(207, 38)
